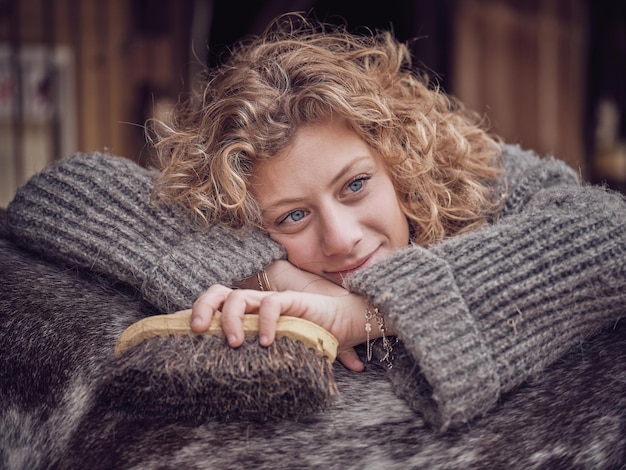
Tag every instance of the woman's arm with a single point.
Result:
(283, 276)
(94, 211)
(481, 312)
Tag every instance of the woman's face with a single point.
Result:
(329, 200)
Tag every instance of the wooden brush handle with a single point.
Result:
(311, 334)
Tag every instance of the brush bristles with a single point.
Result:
(201, 377)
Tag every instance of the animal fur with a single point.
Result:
(58, 330)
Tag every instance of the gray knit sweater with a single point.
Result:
(477, 314)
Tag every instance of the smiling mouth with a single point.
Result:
(345, 272)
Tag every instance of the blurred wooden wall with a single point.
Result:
(131, 56)
(127, 55)
(522, 63)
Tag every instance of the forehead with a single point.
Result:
(317, 154)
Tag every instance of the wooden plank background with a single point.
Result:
(520, 63)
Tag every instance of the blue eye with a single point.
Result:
(356, 185)
(292, 217)
(296, 215)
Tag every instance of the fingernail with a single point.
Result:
(264, 340)
(232, 339)
(196, 323)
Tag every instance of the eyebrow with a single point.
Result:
(340, 175)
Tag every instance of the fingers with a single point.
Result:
(206, 305)
(268, 305)
(270, 310)
(350, 359)
(234, 307)
(233, 304)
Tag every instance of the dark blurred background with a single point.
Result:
(82, 75)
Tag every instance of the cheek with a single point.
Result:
(394, 220)
(401, 234)
(301, 250)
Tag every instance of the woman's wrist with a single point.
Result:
(282, 276)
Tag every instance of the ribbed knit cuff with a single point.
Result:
(481, 312)
(442, 336)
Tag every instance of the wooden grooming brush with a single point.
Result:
(162, 368)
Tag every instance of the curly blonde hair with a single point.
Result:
(443, 163)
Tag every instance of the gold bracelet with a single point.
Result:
(264, 282)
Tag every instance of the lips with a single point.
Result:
(345, 272)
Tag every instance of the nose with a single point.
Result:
(340, 230)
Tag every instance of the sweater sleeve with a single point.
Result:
(94, 211)
(479, 313)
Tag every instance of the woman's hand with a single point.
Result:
(342, 315)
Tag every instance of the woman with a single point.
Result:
(389, 210)
(320, 116)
